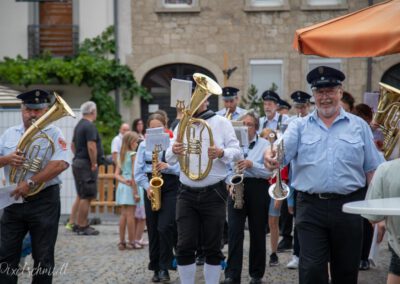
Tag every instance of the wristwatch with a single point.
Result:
(31, 183)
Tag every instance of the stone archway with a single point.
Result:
(392, 76)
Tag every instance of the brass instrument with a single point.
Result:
(204, 88)
(387, 117)
(279, 190)
(237, 188)
(33, 163)
(228, 114)
(156, 181)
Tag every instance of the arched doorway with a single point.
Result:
(392, 76)
(158, 83)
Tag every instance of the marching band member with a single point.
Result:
(161, 226)
(39, 213)
(230, 98)
(329, 168)
(301, 102)
(256, 200)
(284, 107)
(202, 203)
(272, 118)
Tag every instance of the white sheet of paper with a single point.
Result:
(157, 139)
(180, 90)
(374, 252)
(5, 198)
(242, 134)
(157, 130)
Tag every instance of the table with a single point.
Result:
(384, 207)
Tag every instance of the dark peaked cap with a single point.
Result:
(324, 76)
(35, 99)
(300, 97)
(229, 93)
(270, 96)
(284, 104)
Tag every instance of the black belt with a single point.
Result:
(330, 195)
(204, 188)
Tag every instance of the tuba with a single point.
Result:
(387, 117)
(204, 88)
(279, 190)
(33, 162)
(156, 181)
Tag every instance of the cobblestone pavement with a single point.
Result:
(96, 259)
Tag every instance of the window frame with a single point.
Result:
(341, 5)
(251, 6)
(281, 62)
(163, 7)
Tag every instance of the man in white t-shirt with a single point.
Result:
(117, 141)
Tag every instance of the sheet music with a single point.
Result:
(157, 139)
(242, 134)
(5, 198)
(158, 130)
(180, 90)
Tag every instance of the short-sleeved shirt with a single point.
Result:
(10, 138)
(334, 159)
(86, 131)
(116, 143)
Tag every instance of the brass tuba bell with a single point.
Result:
(204, 88)
(387, 117)
(33, 162)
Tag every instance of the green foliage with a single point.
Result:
(94, 66)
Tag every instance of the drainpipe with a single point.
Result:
(117, 96)
(369, 63)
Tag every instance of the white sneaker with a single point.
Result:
(294, 263)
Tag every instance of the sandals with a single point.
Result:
(122, 246)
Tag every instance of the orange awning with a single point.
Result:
(373, 31)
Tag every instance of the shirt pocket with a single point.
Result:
(309, 149)
(10, 146)
(350, 148)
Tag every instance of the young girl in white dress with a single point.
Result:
(127, 195)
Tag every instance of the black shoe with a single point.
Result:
(200, 260)
(273, 260)
(156, 277)
(163, 275)
(87, 231)
(284, 245)
(229, 280)
(364, 265)
(255, 280)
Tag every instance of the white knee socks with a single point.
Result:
(187, 273)
(212, 273)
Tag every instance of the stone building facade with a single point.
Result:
(253, 35)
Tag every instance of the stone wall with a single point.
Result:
(225, 26)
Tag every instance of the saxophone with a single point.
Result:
(156, 181)
(237, 188)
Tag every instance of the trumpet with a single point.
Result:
(156, 181)
(237, 187)
(279, 190)
(228, 114)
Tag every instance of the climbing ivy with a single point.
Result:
(94, 66)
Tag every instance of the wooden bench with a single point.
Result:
(106, 187)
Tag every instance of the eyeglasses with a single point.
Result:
(330, 92)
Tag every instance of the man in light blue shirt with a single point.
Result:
(272, 118)
(333, 157)
(230, 98)
(256, 200)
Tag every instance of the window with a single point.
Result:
(314, 63)
(178, 6)
(265, 73)
(266, 5)
(324, 4)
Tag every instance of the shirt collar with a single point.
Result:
(342, 115)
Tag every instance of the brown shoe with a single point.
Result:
(122, 246)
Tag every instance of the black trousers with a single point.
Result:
(40, 216)
(161, 226)
(328, 234)
(255, 208)
(200, 208)
(296, 245)
(368, 233)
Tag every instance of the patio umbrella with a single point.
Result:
(373, 31)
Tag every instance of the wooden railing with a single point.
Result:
(106, 188)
